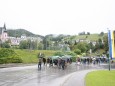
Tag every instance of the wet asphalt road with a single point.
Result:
(31, 76)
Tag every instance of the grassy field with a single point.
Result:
(100, 78)
(30, 56)
(91, 37)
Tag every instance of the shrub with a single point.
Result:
(59, 54)
(71, 53)
(77, 51)
(74, 58)
(9, 56)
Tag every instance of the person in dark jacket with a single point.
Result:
(63, 64)
(39, 63)
(44, 60)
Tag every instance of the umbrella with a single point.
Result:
(55, 57)
(65, 57)
(68, 56)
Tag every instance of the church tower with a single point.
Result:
(3, 33)
(4, 26)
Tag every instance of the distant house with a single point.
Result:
(83, 40)
(23, 37)
(3, 34)
(15, 40)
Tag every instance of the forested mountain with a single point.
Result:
(19, 32)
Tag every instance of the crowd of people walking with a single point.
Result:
(62, 63)
(91, 60)
(58, 62)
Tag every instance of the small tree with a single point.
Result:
(82, 46)
(102, 33)
(106, 47)
(23, 45)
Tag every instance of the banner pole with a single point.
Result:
(110, 50)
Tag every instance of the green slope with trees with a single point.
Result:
(19, 32)
(62, 43)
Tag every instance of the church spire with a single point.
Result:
(4, 26)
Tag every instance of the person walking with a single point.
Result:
(44, 60)
(63, 64)
(39, 63)
(78, 60)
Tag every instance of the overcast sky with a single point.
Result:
(58, 16)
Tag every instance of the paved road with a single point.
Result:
(48, 76)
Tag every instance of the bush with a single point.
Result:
(77, 51)
(59, 54)
(71, 53)
(17, 60)
(5, 45)
(2, 60)
(9, 56)
(83, 54)
(74, 58)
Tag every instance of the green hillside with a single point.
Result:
(19, 32)
(91, 37)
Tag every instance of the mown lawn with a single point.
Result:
(30, 56)
(100, 78)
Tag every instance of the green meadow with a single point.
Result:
(91, 37)
(100, 78)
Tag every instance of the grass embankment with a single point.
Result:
(30, 56)
(100, 78)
